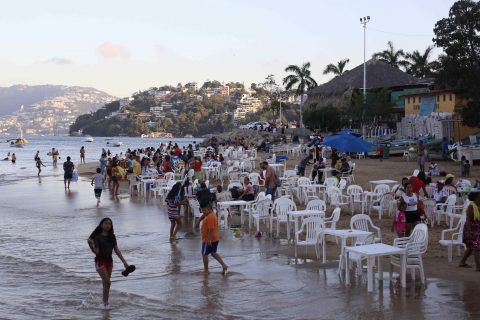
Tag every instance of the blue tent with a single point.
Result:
(346, 142)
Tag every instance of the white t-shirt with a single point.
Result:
(98, 181)
(439, 195)
(410, 201)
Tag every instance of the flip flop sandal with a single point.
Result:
(128, 270)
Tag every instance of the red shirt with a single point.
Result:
(197, 166)
(417, 184)
(167, 166)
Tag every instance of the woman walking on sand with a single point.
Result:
(471, 232)
(102, 242)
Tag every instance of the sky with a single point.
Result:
(121, 46)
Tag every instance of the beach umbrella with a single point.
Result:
(347, 143)
(348, 131)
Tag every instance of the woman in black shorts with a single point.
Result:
(411, 213)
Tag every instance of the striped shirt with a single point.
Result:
(173, 209)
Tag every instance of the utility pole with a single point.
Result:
(364, 22)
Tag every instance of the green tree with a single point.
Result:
(337, 69)
(459, 37)
(419, 64)
(301, 81)
(326, 119)
(392, 56)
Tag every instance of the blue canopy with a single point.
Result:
(347, 142)
(348, 131)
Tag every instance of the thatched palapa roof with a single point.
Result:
(379, 75)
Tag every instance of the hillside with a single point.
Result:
(46, 109)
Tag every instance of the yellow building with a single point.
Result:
(440, 101)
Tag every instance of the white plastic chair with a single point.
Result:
(336, 198)
(416, 245)
(169, 176)
(386, 204)
(355, 194)
(331, 222)
(406, 155)
(196, 211)
(312, 226)
(453, 238)
(262, 212)
(377, 194)
(281, 207)
(363, 222)
(134, 184)
(316, 204)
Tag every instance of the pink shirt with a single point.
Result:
(400, 223)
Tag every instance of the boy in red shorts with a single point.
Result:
(210, 237)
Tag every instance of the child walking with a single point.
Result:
(97, 182)
(103, 242)
(173, 210)
(400, 221)
(210, 237)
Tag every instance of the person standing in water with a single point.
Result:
(103, 242)
(97, 183)
(82, 155)
(14, 158)
(68, 167)
(210, 237)
(39, 164)
(54, 157)
(173, 210)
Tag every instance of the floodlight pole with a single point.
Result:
(364, 22)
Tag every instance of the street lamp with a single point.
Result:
(364, 22)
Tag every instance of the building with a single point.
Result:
(125, 102)
(437, 113)
(156, 110)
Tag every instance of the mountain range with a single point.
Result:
(46, 109)
(12, 98)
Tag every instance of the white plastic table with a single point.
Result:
(276, 166)
(207, 170)
(233, 203)
(300, 214)
(303, 190)
(373, 183)
(371, 251)
(343, 234)
(325, 172)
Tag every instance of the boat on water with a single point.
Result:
(114, 144)
(188, 136)
(19, 142)
(89, 139)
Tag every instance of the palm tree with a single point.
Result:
(337, 70)
(418, 64)
(300, 79)
(391, 56)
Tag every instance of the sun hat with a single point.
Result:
(449, 176)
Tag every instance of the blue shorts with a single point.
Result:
(206, 249)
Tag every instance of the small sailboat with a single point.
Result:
(89, 139)
(20, 141)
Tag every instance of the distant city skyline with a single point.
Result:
(122, 46)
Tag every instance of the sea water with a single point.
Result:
(68, 146)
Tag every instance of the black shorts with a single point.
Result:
(98, 193)
(67, 176)
(206, 249)
(412, 216)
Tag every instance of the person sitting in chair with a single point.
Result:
(344, 166)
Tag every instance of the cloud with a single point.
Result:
(59, 61)
(112, 50)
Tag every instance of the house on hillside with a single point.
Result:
(380, 75)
